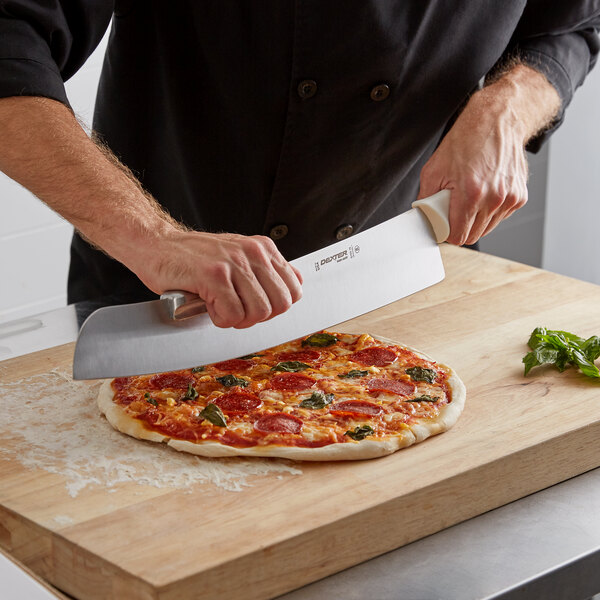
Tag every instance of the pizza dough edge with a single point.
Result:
(120, 420)
(346, 451)
(364, 449)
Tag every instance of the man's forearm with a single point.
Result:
(243, 279)
(43, 147)
(481, 160)
(522, 93)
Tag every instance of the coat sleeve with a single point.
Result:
(44, 42)
(559, 39)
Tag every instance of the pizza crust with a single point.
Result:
(120, 420)
(351, 450)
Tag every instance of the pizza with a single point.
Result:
(328, 396)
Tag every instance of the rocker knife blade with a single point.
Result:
(344, 280)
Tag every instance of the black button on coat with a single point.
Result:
(241, 116)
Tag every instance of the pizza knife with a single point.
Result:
(344, 280)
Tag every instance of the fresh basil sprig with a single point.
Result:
(317, 400)
(360, 432)
(352, 374)
(561, 349)
(320, 340)
(232, 380)
(421, 374)
(290, 366)
(214, 414)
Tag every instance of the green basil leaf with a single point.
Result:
(249, 356)
(352, 374)
(424, 398)
(317, 400)
(555, 337)
(320, 340)
(232, 380)
(421, 374)
(562, 360)
(290, 366)
(561, 349)
(534, 338)
(587, 367)
(197, 369)
(214, 414)
(191, 393)
(360, 432)
(591, 348)
(150, 400)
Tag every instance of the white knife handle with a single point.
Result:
(436, 209)
(183, 305)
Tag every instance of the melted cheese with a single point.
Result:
(319, 426)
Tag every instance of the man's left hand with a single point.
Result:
(482, 158)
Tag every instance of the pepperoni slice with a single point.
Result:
(127, 400)
(178, 381)
(235, 364)
(359, 407)
(376, 356)
(237, 401)
(278, 423)
(395, 386)
(291, 382)
(120, 383)
(299, 355)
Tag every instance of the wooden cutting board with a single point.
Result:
(133, 540)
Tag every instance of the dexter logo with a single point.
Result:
(343, 255)
(339, 257)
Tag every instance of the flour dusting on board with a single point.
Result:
(55, 425)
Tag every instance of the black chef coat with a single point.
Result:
(304, 120)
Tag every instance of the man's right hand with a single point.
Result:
(244, 280)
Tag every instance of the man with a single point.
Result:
(288, 124)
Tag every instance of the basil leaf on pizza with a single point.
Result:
(360, 432)
(150, 400)
(317, 400)
(191, 393)
(423, 398)
(320, 340)
(421, 374)
(214, 414)
(290, 366)
(328, 396)
(352, 374)
(232, 380)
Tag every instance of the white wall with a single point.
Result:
(34, 241)
(572, 227)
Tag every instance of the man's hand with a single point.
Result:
(482, 158)
(243, 280)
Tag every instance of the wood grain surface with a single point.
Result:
(516, 436)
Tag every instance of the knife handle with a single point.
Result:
(436, 209)
(183, 305)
